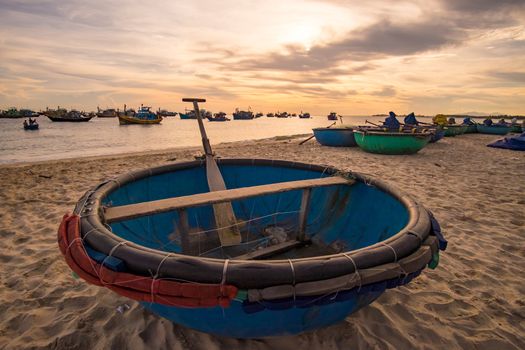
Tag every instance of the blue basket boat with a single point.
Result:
(335, 137)
(317, 244)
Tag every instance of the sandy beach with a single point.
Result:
(473, 300)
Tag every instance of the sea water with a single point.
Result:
(104, 136)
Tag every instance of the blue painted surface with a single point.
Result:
(351, 217)
(335, 137)
(235, 322)
(437, 135)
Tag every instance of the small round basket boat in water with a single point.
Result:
(386, 142)
(315, 244)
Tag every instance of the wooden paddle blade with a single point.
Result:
(225, 221)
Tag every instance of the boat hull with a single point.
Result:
(493, 129)
(127, 120)
(437, 134)
(335, 137)
(515, 128)
(471, 129)
(234, 322)
(454, 130)
(31, 127)
(390, 143)
(186, 116)
(66, 119)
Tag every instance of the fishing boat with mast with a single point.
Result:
(106, 113)
(14, 113)
(218, 117)
(243, 115)
(304, 115)
(249, 248)
(144, 116)
(165, 113)
(73, 116)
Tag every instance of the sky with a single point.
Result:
(366, 57)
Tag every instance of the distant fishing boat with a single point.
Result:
(127, 112)
(191, 114)
(218, 117)
(14, 113)
(71, 116)
(59, 112)
(305, 115)
(332, 116)
(106, 113)
(165, 113)
(249, 248)
(143, 116)
(270, 115)
(242, 115)
(282, 115)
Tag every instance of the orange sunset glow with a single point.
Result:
(442, 56)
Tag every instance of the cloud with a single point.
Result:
(513, 77)
(380, 40)
(386, 91)
(482, 6)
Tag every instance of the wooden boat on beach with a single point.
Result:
(249, 248)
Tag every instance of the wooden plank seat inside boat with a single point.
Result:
(131, 211)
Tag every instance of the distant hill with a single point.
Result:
(480, 113)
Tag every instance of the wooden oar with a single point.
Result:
(224, 217)
(374, 124)
(328, 127)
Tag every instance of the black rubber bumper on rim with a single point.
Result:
(246, 274)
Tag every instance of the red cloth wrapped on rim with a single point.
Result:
(140, 288)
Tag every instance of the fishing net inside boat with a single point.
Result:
(263, 222)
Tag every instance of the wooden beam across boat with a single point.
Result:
(131, 211)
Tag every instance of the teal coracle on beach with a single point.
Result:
(385, 142)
